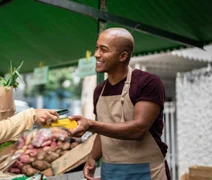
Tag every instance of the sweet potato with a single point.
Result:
(29, 170)
(59, 143)
(53, 144)
(54, 139)
(14, 170)
(32, 159)
(31, 152)
(47, 148)
(18, 164)
(51, 156)
(46, 143)
(25, 158)
(66, 146)
(40, 165)
(30, 146)
(41, 155)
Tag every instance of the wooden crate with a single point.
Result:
(200, 173)
(185, 177)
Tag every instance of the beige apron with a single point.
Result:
(119, 108)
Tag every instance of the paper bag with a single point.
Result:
(7, 104)
(74, 157)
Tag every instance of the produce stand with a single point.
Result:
(64, 164)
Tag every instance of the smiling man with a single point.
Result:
(129, 108)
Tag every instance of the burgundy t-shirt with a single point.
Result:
(144, 86)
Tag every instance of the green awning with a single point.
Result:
(32, 31)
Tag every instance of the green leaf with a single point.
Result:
(14, 74)
(19, 67)
(20, 76)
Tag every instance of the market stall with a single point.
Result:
(45, 149)
(59, 38)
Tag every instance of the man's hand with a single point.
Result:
(45, 116)
(89, 169)
(83, 125)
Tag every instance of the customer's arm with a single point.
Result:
(13, 126)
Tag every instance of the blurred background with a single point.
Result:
(172, 39)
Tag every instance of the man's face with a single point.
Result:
(107, 56)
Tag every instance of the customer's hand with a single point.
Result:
(45, 116)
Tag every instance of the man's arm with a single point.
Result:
(145, 112)
(96, 152)
(95, 155)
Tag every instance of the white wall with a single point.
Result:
(194, 119)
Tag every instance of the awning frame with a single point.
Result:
(136, 26)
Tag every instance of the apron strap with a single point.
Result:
(125, 90)
(126, 85)
(103, 88)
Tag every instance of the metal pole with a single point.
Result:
(173, 142)
(101, 27)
